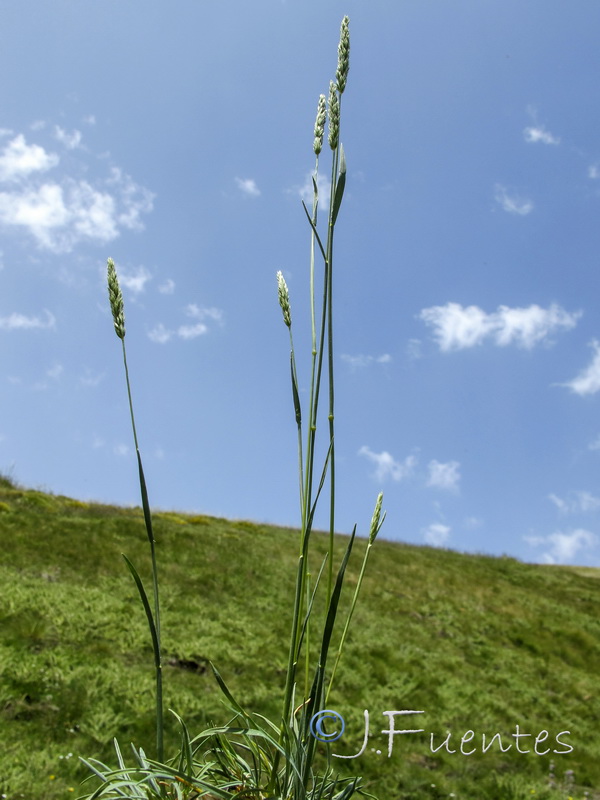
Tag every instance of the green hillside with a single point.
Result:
(479, 644)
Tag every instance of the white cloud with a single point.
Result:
(17, 321)
(512, 203)
(161, 335)
(168, 287)
(70, 140)
(248, 186)
(578, 502)
(19, 160)
(562, 548)
(360, 361)
(436, 534)
(594, 171)
(470, 523)
(595, 445)
(121, 450)
(192, 331)
(444, 476)
(135, 281)
(588, 381)
(192, 310)
(456, 328)
(63, 211)
(306, 191)
(538, 133)
(387, 467)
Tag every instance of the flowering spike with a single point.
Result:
(320, 124)
(284, 298)
(116, 300)
(343, 66)
(377, 519)
(334, 116)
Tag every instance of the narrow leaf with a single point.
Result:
(312, 225)
(339, 187)
(145, 503)
(297, 407)
(147, 609)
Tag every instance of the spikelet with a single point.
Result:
(334, 116)
(320, 124)
(116, 300)
(341, 74)
(284, 299)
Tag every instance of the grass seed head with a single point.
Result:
(116, 299)
(320, 124)
(377, 519)
(334, 116)
(341, 75)
(284, 299)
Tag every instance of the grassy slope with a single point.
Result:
(477, 643)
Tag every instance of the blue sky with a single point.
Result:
(177, 139)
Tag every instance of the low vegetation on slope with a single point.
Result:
(477, 643)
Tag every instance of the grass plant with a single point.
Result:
(253, 756)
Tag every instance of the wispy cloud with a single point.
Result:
(436, 534)
(457, 328)
(512, 203)
(444, 476)
(577, 502)
(62, 211)
(134, 281)
(386, 465)
(306, 190)
(70, 140)
(91, 379)
(414, 349)
(17, 321)
(160, 334)
(55, 372)
(248, 187)
(201, 316)
(594, 171)
(588, 380)
(360, 361)
(168, 287)
(537, 133)
(563, 548)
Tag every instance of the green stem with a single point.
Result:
(149, 531)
